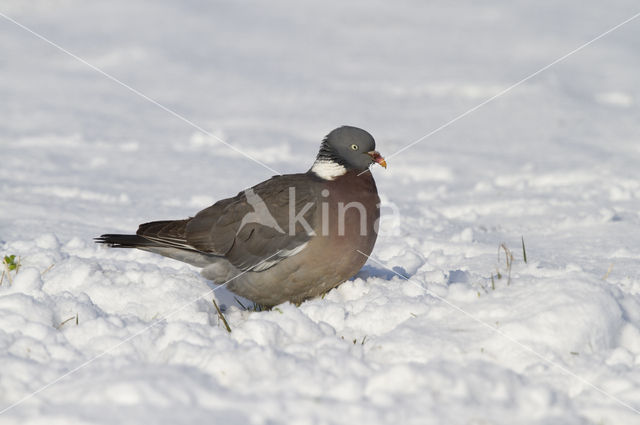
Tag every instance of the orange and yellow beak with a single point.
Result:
(375, 155)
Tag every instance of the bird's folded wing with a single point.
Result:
(252, 230)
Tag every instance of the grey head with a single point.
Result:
(351, 147)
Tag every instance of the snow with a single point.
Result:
(422, 334)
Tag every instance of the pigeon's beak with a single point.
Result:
(375, 155)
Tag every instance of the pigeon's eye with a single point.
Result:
(354, 147)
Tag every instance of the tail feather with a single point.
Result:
(168, 233)
(124, 241)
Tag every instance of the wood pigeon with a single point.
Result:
(289, 238)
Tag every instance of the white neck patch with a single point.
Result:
(327, 169)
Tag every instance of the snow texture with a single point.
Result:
(553, 161)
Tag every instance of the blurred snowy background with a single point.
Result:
(554, 161)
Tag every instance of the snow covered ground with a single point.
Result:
(555, 161)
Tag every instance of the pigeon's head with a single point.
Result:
(350, 147)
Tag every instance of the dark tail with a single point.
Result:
(167, 233)
(124, 241)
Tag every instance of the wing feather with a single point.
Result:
(251, 230)
(254, 226)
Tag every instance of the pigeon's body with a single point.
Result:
(289, 238)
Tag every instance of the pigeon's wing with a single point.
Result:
(260, 226)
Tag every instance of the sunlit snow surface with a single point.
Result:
(555, 160)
